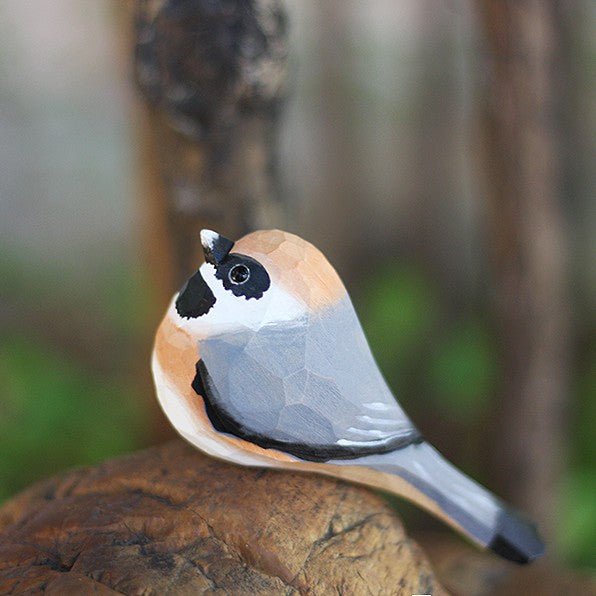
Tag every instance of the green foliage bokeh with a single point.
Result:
(55, 415)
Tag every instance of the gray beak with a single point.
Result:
(215, 247)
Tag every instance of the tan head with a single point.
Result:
(296, 265)
(265, 278)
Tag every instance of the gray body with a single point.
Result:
(311, 381)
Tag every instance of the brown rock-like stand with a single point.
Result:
(169, 520)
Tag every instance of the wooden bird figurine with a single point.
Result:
(261, 361)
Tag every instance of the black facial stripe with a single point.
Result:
(195, 298)
(258, 281)
(217, 252)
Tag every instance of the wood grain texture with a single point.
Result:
(170, 520)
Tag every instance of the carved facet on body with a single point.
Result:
(278, 372)
(292, 402)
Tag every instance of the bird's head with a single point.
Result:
(265, 278)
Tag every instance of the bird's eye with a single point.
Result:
(239, 274)
(243, 276)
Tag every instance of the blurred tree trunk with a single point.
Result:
(522, 94)
(339, 191)
(213, 78)
(213, 75)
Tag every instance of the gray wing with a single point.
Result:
(310, 386)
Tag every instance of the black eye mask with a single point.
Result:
(195, 298)
(243, 276)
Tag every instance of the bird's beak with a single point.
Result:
(215, 247)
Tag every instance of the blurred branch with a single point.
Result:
(213, 75)
(522, 93)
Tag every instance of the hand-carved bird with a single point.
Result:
(261, 360)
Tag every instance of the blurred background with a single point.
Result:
(439, 152)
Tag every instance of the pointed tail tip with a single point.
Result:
(516, 539)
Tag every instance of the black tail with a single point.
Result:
(516, 539)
